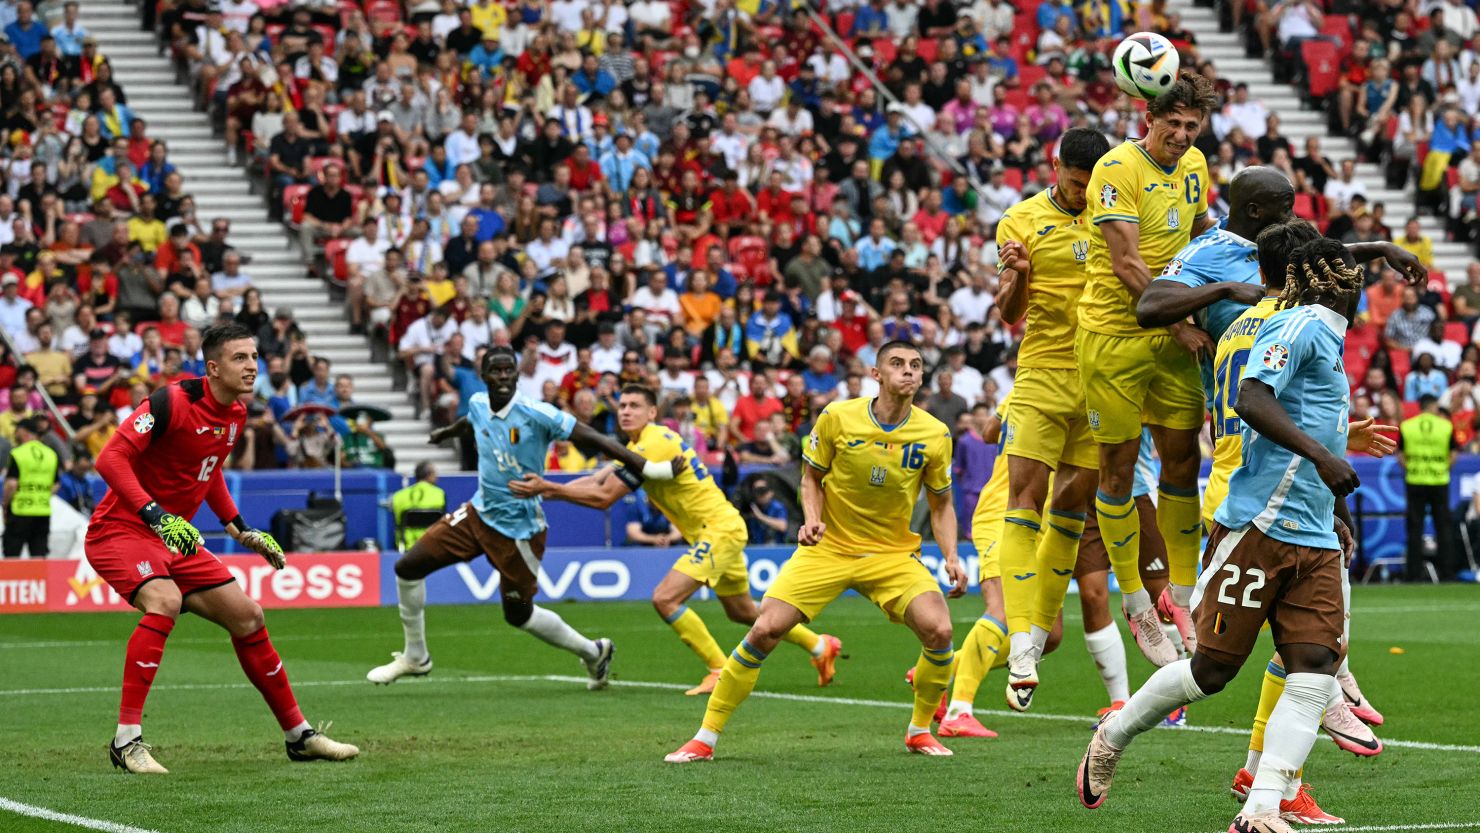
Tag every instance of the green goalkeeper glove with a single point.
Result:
(264, 545)
(178, 535)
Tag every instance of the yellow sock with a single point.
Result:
(803, 637)
(981, 649)
(1269, 695)
(691, 630)
(1019, 566)
(1120, 528)
(736, 681)
(1057, 551)
(932, 674)
(1179, 517)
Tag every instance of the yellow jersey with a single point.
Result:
(1057, 240)
(692, 501)
(874, 474)
(1228, 369)
(1129, 186)
(489, 18)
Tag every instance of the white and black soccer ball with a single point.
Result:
(1145, 65)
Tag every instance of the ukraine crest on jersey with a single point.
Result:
(1298, 355)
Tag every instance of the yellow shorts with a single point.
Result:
(1048, 421)
(1130, 381)
(1226, 457)
(718, 560)
(812, 578)
(986, 521)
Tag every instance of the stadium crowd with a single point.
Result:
(702, 196)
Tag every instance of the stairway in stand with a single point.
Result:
(276, 269)
(1226, 51)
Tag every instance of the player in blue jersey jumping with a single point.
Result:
(513, 434)
(1275, 553)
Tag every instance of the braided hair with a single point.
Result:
(1320, 269)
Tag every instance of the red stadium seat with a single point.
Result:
(1410, 410)
(1031, 74)
(334, 253)
(1323, 68)
(1017, 97)
(1305, 207)
(1402, 362)
(1013, 178)
(294, 197)
(843, 24)
(884, 50)
(1457, 332)
(928, 50)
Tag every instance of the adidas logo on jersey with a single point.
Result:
(1156, 565)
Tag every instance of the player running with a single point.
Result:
(512, 433)
(716, 533)
(140, 540)
(1043, 242)
(1147, 198)
(1272, 554)
(866, 460)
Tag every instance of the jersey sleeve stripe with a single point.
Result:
(814, 464)
(942, 490)
(1124, 218)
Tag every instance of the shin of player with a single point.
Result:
(142, 543)
(1273, 554)
(875, 455)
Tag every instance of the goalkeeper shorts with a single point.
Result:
(130, 556)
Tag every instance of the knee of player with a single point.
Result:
(249, 621)
(517, 611)
(1211, 676)
(936, 634)
(410, 566)
(666, 607)
(164, 603)
(1309, 659)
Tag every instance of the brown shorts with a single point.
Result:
(1093, 558)
(461, 535)
(1249, 578)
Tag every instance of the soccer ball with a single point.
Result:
(1145, 65)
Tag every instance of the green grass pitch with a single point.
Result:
(492, 742)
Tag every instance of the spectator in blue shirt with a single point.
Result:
(647, 526)
(619, 164)
(320, 389)
(592, 80)
(765, 515)
(487, 56)
(1000, 60)
(871, 21)
(1425, 379)
(72, 485)
(69, 34)
(490, 223)
(819, 376)
(26, 32)
(873, 250)
(1049, 12)
(885, 141)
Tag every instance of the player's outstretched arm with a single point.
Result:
(462, 429)
(943, 529)
(598, 491)
(1262, 412)
(585, 436)
(1362, 437)
(1166, 302)
(1405, 262)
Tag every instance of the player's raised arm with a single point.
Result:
(462, 429)
(1014, 272)
(1402, 260)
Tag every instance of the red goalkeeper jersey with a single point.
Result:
(171, 450)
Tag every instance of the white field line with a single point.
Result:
(768, 695)
(67, 818)
(1376, 828)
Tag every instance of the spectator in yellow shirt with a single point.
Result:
(1416, 242)
(489, 16)
(146, 229)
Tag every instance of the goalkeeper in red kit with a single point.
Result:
(161, 464)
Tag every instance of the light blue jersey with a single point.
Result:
(1148, 468)
(1298, 354)
(1215, 256)
(511, 443)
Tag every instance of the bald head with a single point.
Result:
(1257, 197)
